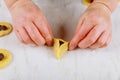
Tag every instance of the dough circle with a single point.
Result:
(7, 31)
(7, 58)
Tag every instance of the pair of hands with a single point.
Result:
(94, 29)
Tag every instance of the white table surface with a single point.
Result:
(39, 63)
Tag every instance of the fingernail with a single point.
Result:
(49, 41)
(42, 42)
(81, 46)
(71, 47)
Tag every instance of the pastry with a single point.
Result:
(5, 28)
(60, 47)
(5, 58)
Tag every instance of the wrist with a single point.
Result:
(103, 5)
(10, 3)
(111, 5)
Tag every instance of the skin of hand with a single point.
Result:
(94, 29)
(30, 25)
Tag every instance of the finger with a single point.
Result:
(34, 34)
(101, 40)
(107, 41)
(79, 25)
(45, 30)
(18, 35)
(81, 32)
(26, 38)
(92, 37)
(16, 30)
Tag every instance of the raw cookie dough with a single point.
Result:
(87, 2)
(60, 47)
(5, 28)
(5, 58)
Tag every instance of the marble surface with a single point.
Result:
(39, 63)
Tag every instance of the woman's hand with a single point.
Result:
(30, 25)
(94, 29)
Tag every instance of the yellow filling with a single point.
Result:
(7, 58)
(5, 32)
(60, 47)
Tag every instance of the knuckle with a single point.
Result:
(93, 16)
(99, 20)
(31, 15)
(95, 19)
(20, 20)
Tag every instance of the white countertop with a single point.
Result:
(39, 63)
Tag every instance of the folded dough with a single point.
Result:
(60, 47)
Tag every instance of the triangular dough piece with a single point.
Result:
(60, 47)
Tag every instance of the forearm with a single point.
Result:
(111, 4)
